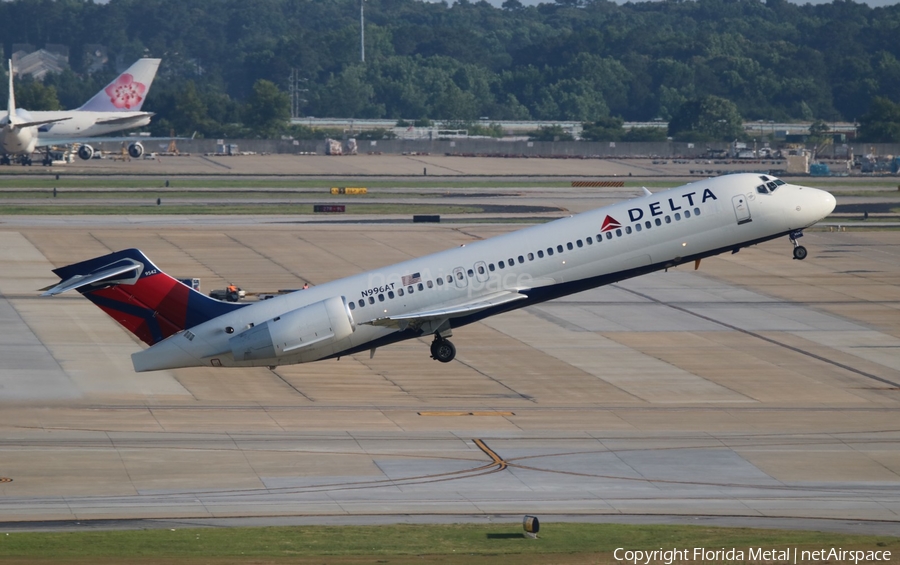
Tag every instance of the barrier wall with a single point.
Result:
(574, 149)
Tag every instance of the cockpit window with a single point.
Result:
(762, 189)
(779, 182)
(764, 177)
(771, 185)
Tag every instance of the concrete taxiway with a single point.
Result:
(756, 387)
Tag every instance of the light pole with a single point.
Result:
(362, 32)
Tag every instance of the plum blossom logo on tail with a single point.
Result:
(125, 92)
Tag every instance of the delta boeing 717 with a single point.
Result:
(438, 293)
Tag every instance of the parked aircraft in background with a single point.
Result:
(438, 293)
(115, 108)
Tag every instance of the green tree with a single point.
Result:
(881, 124)
(267, 109)
(550, 133)
(33, 95)
(604, 129)
(708, 118)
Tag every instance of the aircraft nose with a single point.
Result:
(825, 202)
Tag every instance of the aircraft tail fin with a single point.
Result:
(137, 294)
(11, 118)
(128, 91)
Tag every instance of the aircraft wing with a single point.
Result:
(45, 141)
(455, 311)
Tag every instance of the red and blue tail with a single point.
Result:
(137, 294)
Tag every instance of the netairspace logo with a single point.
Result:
(751, 555)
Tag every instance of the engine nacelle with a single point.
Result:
(136, 150)
(86, 152)
(314, 325)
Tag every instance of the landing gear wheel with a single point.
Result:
(442, 350)
(800, 252)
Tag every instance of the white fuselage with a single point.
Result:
(78, 124)
(655, 232)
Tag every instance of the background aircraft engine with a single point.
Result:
(86, 152)
(136, 150)
(317, 325)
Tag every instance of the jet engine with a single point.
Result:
(86, 152)
(136, 150)
(317, 325)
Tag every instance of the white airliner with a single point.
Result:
(435, 294)
(117, 107)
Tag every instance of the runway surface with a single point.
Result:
(756, 388)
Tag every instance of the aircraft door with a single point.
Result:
(481, 271)
(741, 209)
(459, 276)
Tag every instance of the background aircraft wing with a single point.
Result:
(447, 312)
(45, 141)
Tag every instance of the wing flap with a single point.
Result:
(454, 311)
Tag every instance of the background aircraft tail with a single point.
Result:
(137, 294)
(128, 91)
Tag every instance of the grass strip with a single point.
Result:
(151, 209)
(374, 542)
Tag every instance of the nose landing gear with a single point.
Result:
(442, 350)
(799, 251)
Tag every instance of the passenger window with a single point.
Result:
(391, 294)
(619, 232)
(540, 254)
(559, 248)
(471, 273)
(549, 251)
(362, 302)
(569, 246)
(352, 305)
(579, 243)
(696, 211)
(668, 220)
(501, 264)
(521, 259)
(459, 276)
(531, 256)
(480, 269)
(590, 241)
(677, 217)
(399, 292)
(627, 229)
(648, 224)
(491, 267)
(658, 222)
(637, 227)
(440, 281)
(609, 235)
(422, 288)
(371, 300)
(380, 298)
(429, 284)
(510, 262)
(687, 213)
(599, 237)
(409, 289)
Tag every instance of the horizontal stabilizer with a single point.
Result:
(105, 274)
(455, 311)
(124, 119)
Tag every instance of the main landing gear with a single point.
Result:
(799, 251)
(442, 350)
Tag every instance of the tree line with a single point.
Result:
(227, 63)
